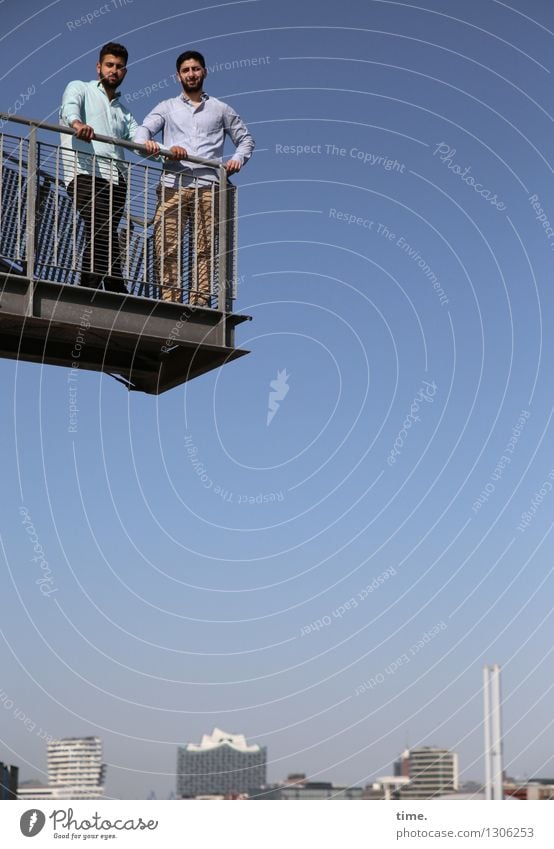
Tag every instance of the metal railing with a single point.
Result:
(82, 219)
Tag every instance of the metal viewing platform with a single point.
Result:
(151, 301)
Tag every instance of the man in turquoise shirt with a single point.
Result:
(97, 185)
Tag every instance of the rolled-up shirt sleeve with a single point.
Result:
(131, 127)
(238, 133)
(72, 103)
(152, 124)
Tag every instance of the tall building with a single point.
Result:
(75, 768)
(401, 767)
(8, 781)
(432, 772)
(222, 764)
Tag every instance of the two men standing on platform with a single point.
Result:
(193, 124)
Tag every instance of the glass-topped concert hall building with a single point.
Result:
(222, 764)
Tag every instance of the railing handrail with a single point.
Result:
(218, 226)
(128, 145)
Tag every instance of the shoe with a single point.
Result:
(113, 284)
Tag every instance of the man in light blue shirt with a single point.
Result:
(94, 172)
(193, 124)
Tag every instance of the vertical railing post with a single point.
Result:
(32, 177)
(222, 252)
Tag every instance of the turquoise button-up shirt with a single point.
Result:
(89, 103)
(199, 128)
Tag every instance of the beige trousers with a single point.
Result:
(177, 208)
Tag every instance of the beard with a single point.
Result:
(191, 88)
(107, 83)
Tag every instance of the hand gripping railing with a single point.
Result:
(224, 288)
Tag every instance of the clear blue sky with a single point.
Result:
(393, 261)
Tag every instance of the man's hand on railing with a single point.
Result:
(232, 166)
(83, 131)
(178, 152)
(152, 147)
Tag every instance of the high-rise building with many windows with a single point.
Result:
(432, 772)
(222, 764)
(75, 768)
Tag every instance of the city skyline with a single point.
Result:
(425, 772)
(436, 769)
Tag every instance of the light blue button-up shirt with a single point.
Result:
(89, 103)
(201, 130)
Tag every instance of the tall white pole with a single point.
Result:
(496, 717)
(493, 732)
(487, 730)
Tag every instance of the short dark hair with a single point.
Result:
(114, 49)
(190, 54)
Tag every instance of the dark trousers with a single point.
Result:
(101, 205)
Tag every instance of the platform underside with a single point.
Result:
(151, 345)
